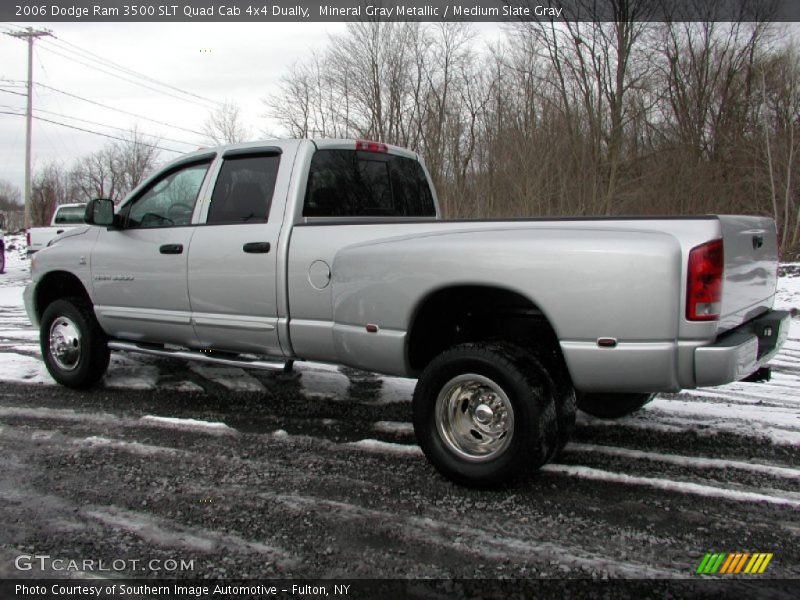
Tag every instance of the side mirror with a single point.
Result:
(100, 211)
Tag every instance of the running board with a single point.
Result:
(202, 357)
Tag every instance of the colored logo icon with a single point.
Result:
(725, 563)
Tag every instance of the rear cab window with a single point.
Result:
(356, 183)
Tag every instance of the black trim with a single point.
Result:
(171, 249)
(245, 152)
(416, 220)
(256, 247)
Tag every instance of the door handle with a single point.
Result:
(256, 247)
(171, 249)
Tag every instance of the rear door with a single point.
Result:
(233, 258)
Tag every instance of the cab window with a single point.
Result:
(244, 188)
(169, 201)
(352, 183)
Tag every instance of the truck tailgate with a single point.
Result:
(751, 268)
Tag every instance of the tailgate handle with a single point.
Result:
(171, 249)
(59, 231)
(758, 241)
(256, 247)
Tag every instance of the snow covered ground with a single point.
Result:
(770, 411)
(255, 474)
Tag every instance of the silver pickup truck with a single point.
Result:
(333, 251)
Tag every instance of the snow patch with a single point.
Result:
(213, 427)
(142, 377)
(687, 461)
(23, 369)
(132, 447)
(62, 414)
(170, 535)
(380, 447)
(682, 487)
(398, 427)
(232, 378)
(181, 386)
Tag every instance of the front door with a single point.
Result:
(139, 270)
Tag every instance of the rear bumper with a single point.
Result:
(740, 352)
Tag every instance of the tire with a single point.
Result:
(485, 413)
(611, 405)
(74, 347)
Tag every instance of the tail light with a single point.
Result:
(371, 146)
(704, 282)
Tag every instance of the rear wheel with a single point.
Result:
(74, 347)
(611, 405)
(484, 413)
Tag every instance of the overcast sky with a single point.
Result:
(241, 62)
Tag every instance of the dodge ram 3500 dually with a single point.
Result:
(333, 251)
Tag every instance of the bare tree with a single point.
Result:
(224, 125)
(10, 196)
(135, 158)
(49, 188)
(97, 176)
(115, 169)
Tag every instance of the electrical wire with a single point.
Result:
(50, 112)
(15, 93)
(113, 137)
(102, 60)
(123, 78)
(132, 114)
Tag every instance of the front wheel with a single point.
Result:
(484, 413)
(611, 405)
(74, 347)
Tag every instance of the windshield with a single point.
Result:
(69, 215)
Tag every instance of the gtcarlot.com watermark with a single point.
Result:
(45, 562)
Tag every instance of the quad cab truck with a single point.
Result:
(65, 217)
(260, 254)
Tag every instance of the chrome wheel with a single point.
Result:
(474, 417)
(65, 343)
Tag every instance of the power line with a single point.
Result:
(106, 135)
(92, 56)
(71, 95)
(10, 92)
(123, 78)
(111, 126)
(57, 114)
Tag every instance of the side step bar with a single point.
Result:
(203, 357)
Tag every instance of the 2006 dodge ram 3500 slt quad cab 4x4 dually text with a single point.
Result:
(333, 251)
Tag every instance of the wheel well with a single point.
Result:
(55, 285)
(471, 313)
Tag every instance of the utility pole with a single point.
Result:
(30, 35)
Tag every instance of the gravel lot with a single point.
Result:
(316, 475)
